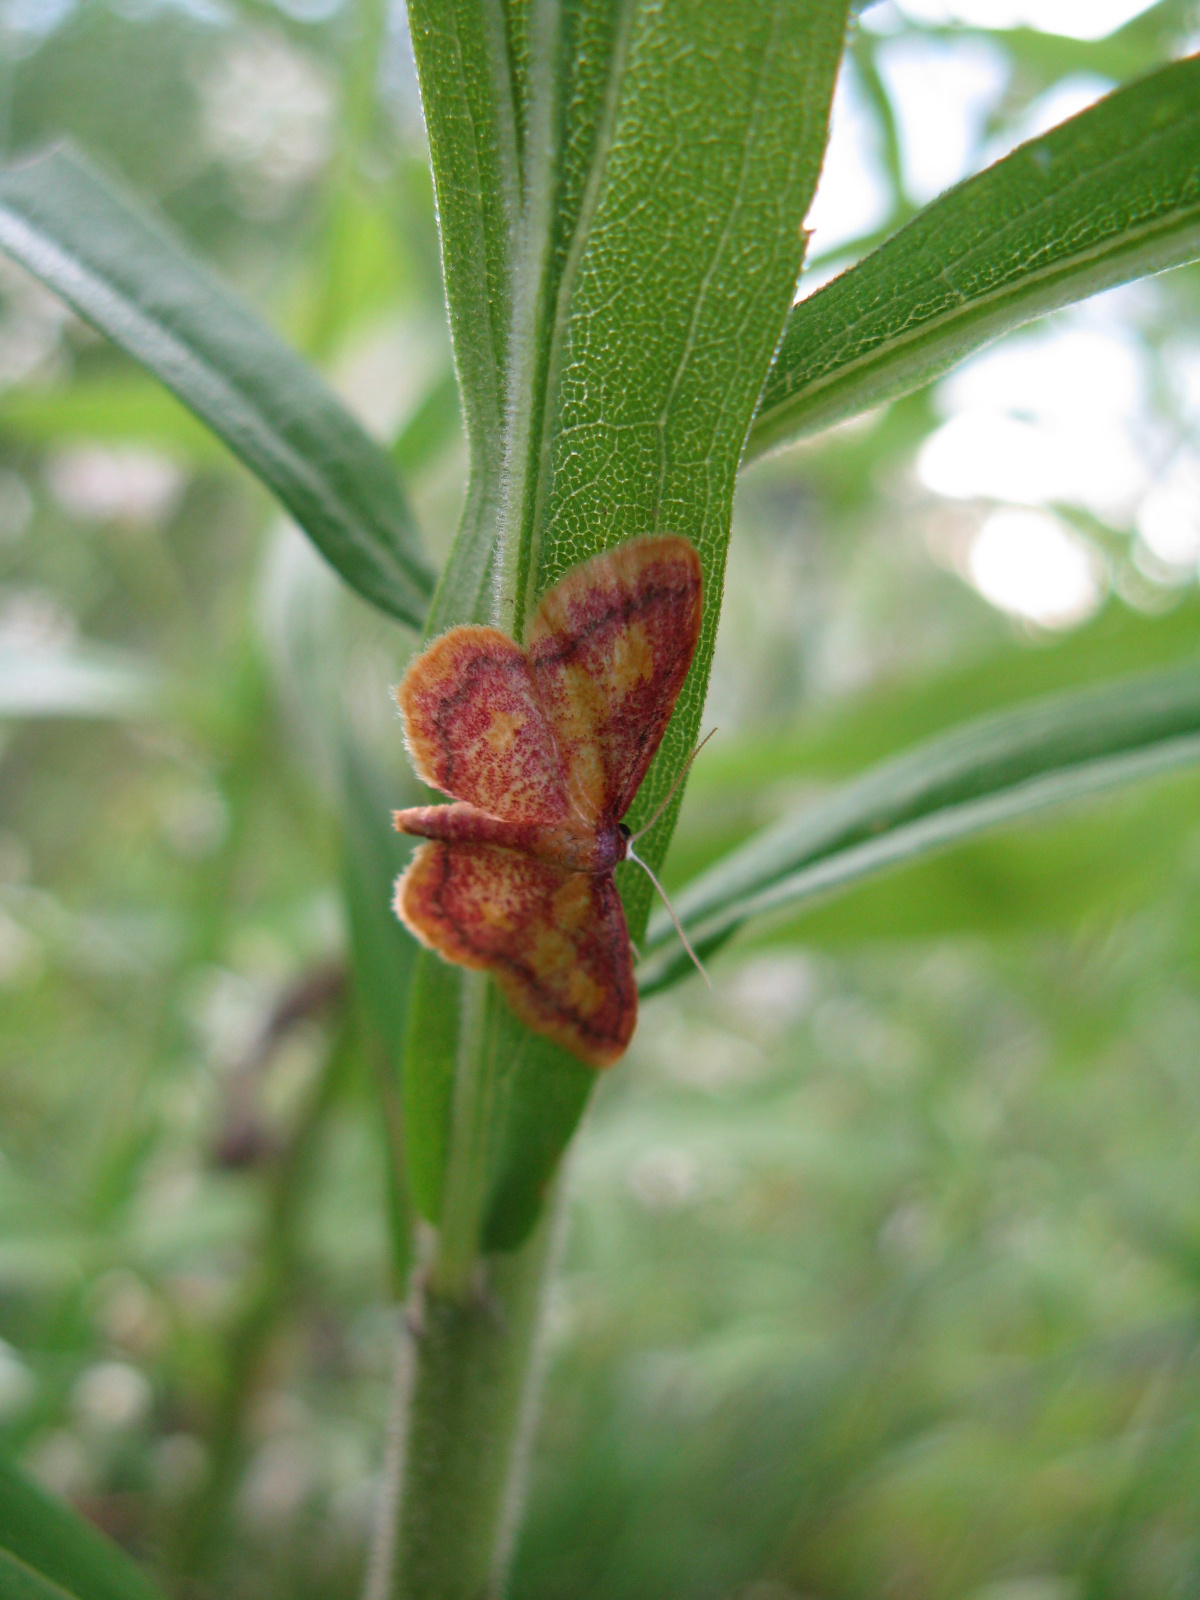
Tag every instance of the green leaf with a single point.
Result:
(134, 280)
(633, 371)
(430, 1064)
(547, 1091)
(19, 1582)
(1062, 874)
(46, 1551)
(1110, 195)
(839, 741)
(475, 70)
(1076, 871)
(462, 61)
(711, 137)
(1156, 35)
(978, 777)
(82, 682)
(705, 128)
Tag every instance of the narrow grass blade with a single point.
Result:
(1110, 195)
(129, 276)
(988, 773)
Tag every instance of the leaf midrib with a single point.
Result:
(178, 352)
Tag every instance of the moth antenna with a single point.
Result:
(686, 942)
(646, 826)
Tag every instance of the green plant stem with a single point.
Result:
(471, 1399)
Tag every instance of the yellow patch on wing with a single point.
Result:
(632, 659)
(476, 730)
(502, 732)
(609, 648)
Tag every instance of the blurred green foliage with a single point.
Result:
(883, 1268)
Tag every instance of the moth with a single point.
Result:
(542, 749)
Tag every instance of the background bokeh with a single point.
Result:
(882, 1268)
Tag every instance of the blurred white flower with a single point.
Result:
(229, 1012)
(128, 1312)
(32, 619)
(773, 990)
(179, 1464)
(665, 1179)
(693, 1053)
(17, 1384)
(278, 1411)
(195, 822)
(127, 484)
(852, 1033)
(280, 1478)
(60, 1464)
(912, 1234)
(267, 115)
(111, 1397)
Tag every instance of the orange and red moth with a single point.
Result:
(542, 750)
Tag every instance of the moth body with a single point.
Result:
(597, 851)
